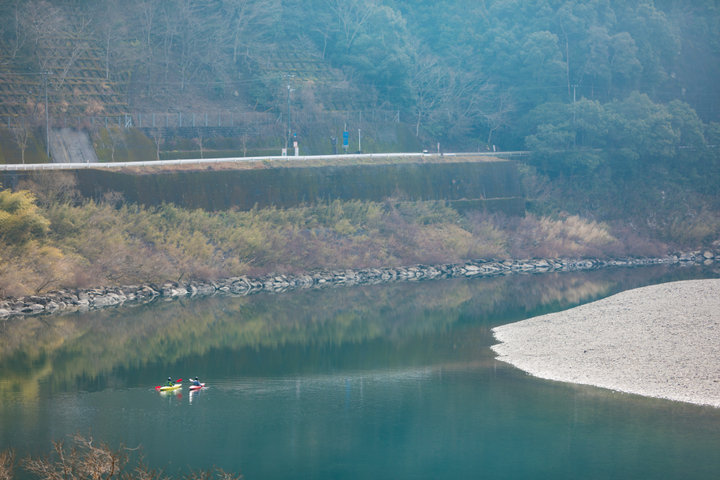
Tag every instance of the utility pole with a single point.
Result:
(289, 131)
(573, 109)
(47, 115)
(574, 87)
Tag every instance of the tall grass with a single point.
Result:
(662, 207)
(91, 244)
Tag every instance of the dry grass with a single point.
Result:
(569, 236)
(7, 465)
(85, 460)
(95, 244)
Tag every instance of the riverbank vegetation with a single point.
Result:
(52, 240)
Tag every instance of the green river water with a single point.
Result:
(376, 382)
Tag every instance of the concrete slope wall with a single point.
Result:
(71, 146)
(489, 185)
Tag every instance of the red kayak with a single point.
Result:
(196, 387)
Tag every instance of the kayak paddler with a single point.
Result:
(170, 383)
(196, 382)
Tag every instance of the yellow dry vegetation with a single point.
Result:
(63, 243)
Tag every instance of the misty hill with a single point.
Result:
(616, 99)
(461, 72)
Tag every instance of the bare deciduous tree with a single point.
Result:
(21, 128)
(248, 23)
(13, 32)
(499, 117)
(157, 137)
(426, 83)
(352, 17)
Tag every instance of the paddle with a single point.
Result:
(179, 380)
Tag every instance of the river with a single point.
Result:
(386, 381)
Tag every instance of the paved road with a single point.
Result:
(211, 161)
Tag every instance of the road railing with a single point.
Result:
(231, 160)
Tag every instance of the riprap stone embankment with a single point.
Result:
(103, 297)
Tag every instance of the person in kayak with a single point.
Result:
(170, 382)
(196, 382)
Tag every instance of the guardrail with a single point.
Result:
(212, 161)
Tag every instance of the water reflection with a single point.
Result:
(402, 325)
(392, 381)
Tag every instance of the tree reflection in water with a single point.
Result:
(383, 325)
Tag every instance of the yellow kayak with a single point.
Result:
(168, 388)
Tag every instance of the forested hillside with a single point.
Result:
(464, 73)
(618, 102)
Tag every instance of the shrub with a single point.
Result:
(20, 219)
(569, 236)
(85, 460)
(92, 244)
(7, 465)
(33, 268)
(699, 228)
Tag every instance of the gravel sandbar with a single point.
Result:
(660, 341)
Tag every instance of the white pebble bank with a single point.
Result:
(659, 341)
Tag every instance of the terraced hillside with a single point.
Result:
(73, 75)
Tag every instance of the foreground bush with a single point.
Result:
(85, 461)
